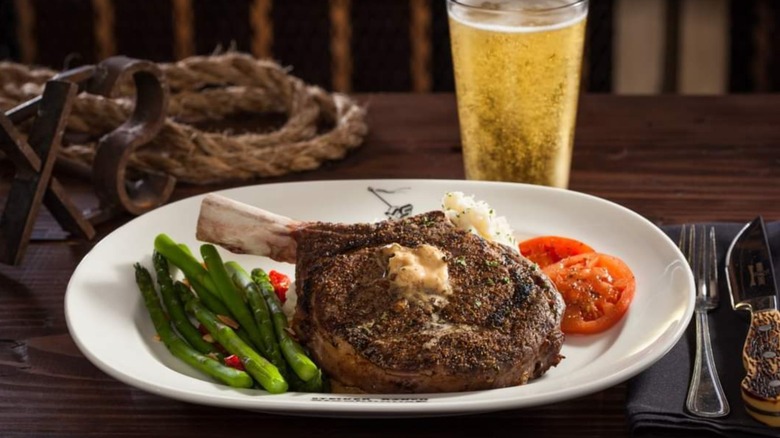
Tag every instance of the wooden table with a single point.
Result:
(671, 159)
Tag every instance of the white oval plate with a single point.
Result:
(108, 321)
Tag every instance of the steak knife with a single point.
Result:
(752, 286)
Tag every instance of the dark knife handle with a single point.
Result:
(761, 357)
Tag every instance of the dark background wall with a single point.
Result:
(392, 45)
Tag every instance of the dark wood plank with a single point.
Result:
(145, 30)
(221, 24)
(64, 33)
(441, 52)
(598, 59)
(672, 159)
(381, 28)
(676, 159)
(747, 47)
(301, 39)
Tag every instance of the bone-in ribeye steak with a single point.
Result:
(495, 324)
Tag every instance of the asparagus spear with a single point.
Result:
(260, 311)
(263, 371)
(292, 351)
(176, 345)
(184, 260)
(175, 308)
(184, 293)
(315, 384)
(213, 302)
(180, 256)
(230, 295)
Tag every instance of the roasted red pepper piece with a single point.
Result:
(234, 362)
(281, 284)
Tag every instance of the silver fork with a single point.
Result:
(705, 393)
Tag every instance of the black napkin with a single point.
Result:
(656, 398)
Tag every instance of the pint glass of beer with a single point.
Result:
(517, 78)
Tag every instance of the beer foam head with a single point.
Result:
(518, 15)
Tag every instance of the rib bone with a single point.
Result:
(244, 229)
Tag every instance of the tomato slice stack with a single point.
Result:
(597, 288)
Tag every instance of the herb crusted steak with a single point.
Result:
(412, 305)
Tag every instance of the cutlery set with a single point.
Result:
(752, 288)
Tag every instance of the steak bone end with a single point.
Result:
(244, 229)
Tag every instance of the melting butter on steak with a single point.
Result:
(412, 305)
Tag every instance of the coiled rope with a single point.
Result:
(319, 125)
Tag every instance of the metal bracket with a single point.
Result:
(34, 159)
(109, 175)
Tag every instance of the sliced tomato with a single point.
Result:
(597, 289)
(546, 250)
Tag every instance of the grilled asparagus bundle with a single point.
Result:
(223, 310)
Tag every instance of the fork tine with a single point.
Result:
(697, 262)
(685, 245)
(697, 243)
(699, 252)
(712, 267)
(683, 242)
(702, 251)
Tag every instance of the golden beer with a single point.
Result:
(517, 76)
